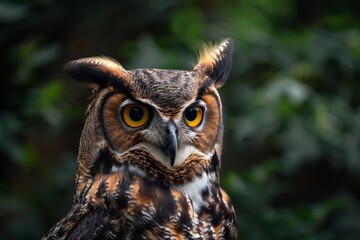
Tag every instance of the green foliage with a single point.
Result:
(291, 161)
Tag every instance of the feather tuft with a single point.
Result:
(98, 70)
(215, 60)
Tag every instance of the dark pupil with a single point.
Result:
(191, 114)
(136, 114)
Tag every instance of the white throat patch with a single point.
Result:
(194, 189)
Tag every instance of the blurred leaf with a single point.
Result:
(188, 24)
(9, 125)
(50, 93)
(276, 90)
(30, 156)
(12, 12)
(44, 55)
(295, 154)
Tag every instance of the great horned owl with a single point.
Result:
(149, 155)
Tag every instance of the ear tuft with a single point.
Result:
(98, 70)
(215, 61)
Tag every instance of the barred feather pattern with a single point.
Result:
(125, 203)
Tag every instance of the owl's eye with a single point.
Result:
(135, 115)
(193, 116)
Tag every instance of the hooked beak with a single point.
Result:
(170, 146)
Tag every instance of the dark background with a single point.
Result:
(291, 161)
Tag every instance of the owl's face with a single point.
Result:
(161, 111)
(170, 115)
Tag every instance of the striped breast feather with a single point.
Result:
(127, 206)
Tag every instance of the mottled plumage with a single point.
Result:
(149, 155)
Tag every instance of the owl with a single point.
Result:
(149, 156)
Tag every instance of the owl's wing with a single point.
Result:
(67, 224)
(85, 222)
(101, 213)
(96, 224)
(98, 215)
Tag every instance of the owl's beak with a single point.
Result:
(170, 147)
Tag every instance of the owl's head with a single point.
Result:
(171, 118)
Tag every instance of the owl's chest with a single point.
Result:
(157, 212)
(134, 207)
(145, 209)
(168, 205)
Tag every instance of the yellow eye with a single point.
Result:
(193, 116)
(135, 115)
